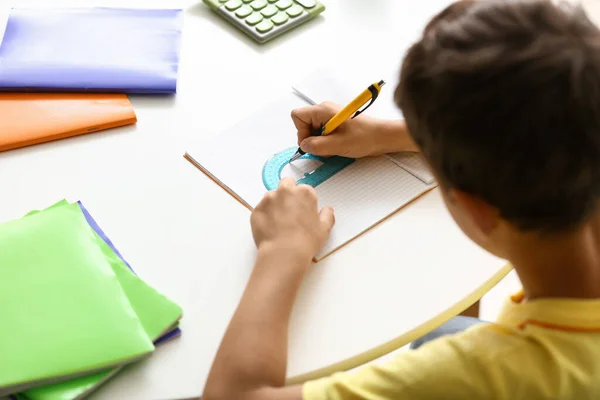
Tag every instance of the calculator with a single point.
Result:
(263, 20)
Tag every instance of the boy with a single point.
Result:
(503, 100)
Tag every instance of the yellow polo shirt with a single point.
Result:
(539, 349)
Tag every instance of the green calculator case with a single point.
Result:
(263, 20)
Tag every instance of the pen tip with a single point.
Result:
(295, 157)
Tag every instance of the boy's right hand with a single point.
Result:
(355, 138)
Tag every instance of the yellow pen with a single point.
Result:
(352, 110)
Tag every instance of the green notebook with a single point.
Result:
(157, 313)
(61, 298)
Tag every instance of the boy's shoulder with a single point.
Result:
(491, 360)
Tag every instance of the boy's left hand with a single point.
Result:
(288, 219)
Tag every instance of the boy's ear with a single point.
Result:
(485, 216)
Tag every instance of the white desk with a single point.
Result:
(191, 240)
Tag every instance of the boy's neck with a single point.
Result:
(566, 265)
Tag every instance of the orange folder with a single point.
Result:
(31, 118)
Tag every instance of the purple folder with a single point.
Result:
(94, 225)
(115, 50)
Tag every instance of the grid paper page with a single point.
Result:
(413, 163)
(362, 194)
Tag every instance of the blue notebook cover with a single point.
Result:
(115, 50)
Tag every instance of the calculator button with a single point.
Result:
(233, 5)
(294, 11)
(307, 3)
(243, 11)
(280, 18)
(269, 11)
(283, 4)
(223, 1)
(254, 18)
(247, 1)
(258, 4)
(272, 1)
(264, 26)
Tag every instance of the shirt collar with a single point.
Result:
(566, 314)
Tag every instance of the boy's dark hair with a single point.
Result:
(503, 97)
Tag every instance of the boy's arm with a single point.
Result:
(251, 362)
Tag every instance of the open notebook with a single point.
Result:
(363, 192)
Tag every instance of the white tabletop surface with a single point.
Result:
(191, 240)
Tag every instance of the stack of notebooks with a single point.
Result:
(73, 311)
(66, 71)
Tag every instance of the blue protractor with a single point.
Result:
(271, 173)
